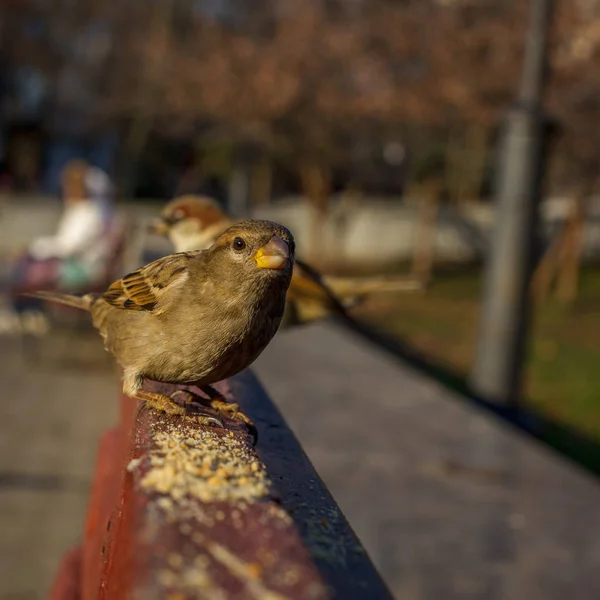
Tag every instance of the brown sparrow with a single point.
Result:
(195, 317)
(193, 222)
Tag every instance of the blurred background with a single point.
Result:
(372, 128)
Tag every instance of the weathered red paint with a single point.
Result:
(67, 584)
(103, 499)
(218, 547)
(260, 538)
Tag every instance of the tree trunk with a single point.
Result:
(141, 126)
(465, 163)
(261, 183)
(475, 161)
(133, 149)
(452, 166)
(424, 251)
(541, 281)
(316, 186)
(561, 261)
(239, 190)
(568, 273)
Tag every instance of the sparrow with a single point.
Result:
(193, 222)
(195, 317)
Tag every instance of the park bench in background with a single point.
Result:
(125, 256)
(179, 510)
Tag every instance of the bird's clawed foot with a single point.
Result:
(218, 403)
(178, 403)
(186, 397)
(230, 409)
(168, 405)
(209, 421)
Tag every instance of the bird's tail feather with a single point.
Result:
(314, 286)
(81, 302)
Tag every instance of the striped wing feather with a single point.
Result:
(142, 289)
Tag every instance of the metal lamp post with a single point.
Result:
(496, 373)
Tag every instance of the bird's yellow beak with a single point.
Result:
(158, 227)
(272, 255)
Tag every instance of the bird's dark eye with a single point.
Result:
(239, 244)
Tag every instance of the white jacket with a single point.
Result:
(81, 235)
(81, 224)
(81, 232)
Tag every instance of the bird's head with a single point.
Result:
(253, 251)
(191, 222)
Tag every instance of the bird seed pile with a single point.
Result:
(203, 465)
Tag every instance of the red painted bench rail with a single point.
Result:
(179, 510)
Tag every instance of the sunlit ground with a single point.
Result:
(563, 366)
(59, 395)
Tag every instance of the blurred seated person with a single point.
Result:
(76, 256)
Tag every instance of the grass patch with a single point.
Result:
(562, 377)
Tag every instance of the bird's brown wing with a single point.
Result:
(307, 285)
(144, 288)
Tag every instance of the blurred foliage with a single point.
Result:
(306, 80)
(427, 159)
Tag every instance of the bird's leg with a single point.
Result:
(231, 409)
(160, 402)
(132, 387)
(164, 403)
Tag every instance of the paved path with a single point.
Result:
(51, 415)
(450, 504)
